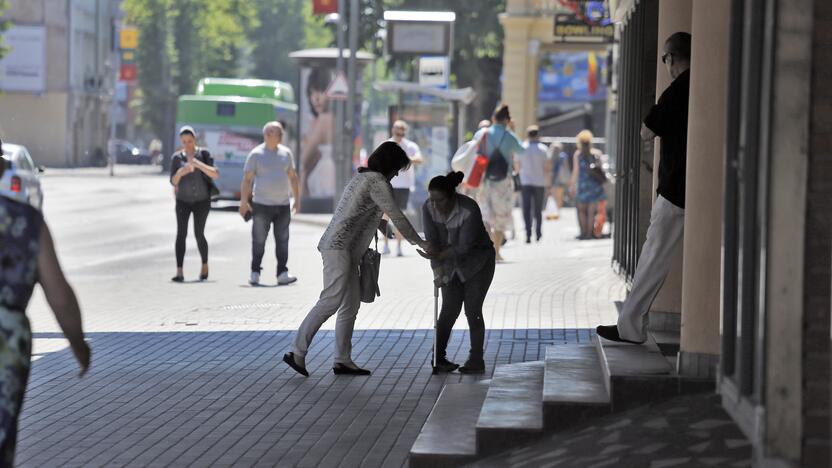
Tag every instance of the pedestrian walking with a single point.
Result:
(268, 176)
(561, 172)
(587, 184)
(27, 257)
(463, 266)
(497, 189)
(357, 217)
(404, 183)
(192, 173)
(535, 180)
(668, 119)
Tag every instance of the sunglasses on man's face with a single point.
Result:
(665, 56)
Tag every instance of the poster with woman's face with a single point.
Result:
(317, 164)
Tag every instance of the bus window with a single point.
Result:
(226, 109)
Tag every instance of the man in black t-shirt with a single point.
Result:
(668, 120)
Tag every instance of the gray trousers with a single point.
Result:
(664, 235)
(341, 295)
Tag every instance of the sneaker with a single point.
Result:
(285, 278)
(255, 278)
(399, 252)
(386, 250)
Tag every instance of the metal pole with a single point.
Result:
(338, 138)
(352, 77)
(111, 149)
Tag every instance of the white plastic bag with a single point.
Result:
(551, 212)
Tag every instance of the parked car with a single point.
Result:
(21, 179)
(128, 153)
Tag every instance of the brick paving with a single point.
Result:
(191, 374)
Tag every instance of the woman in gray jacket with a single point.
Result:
(463, 266)
(366, 198)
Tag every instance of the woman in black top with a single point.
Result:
(463, 265)
(191, 172)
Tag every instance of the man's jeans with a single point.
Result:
(533, 198)
(263, 217)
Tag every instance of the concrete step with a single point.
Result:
(635, 374)
(513, 409)
(573, 386)
(667, 341)
(449, 436)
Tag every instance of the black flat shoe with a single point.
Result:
(203, 277)
(178, 279)
(289, 358)
(610, 332)
(340, 369)
(473, 367)
(444, 365)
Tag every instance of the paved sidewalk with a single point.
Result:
(191, 374)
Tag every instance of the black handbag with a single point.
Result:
(517, 184)
(213, 191)
(368, 271)
(596, 171)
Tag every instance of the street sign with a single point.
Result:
(433, 71)
(127, 72)
(129, 37)
(338, 88)
(324, 7)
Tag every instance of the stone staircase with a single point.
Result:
(525, 400)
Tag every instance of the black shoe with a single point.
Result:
(610, 332)
(340, 369)
(289, 358)
(444, 365)
(473, 366)
(203, 277)
(528, 240)
(503, 242)
(178, 279)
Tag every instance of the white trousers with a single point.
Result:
(341, 295)
(664, 235)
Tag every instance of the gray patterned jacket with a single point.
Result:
(366, 197)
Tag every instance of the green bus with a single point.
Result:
(228, 116)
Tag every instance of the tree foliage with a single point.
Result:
(181, 41)
(4, 25)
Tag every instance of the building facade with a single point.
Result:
(755, 271)
(63, 80)
(749, 293)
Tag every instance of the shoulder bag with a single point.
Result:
(368, 274)
(212, 187)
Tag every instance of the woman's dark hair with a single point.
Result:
(501, 113)
(389, 157)
(318, 80)
(678, 44)
(446, 183)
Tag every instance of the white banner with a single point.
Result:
(23, 69)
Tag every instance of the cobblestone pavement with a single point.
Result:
(685, 432)
(190, 373)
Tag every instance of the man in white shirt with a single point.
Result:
(405, 182)
(269, 177)
(535, 179)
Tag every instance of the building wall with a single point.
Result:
(42, 129)
(816, 291)
(75, 103)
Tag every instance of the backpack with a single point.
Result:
(497, 169)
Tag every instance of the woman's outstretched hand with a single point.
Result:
(427, 251)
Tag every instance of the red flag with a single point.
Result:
(324, 7)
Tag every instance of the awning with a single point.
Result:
(463, 95)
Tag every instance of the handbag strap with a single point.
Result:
(376, 240)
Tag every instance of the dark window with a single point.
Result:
(226, 109)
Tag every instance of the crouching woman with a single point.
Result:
(463, 266)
